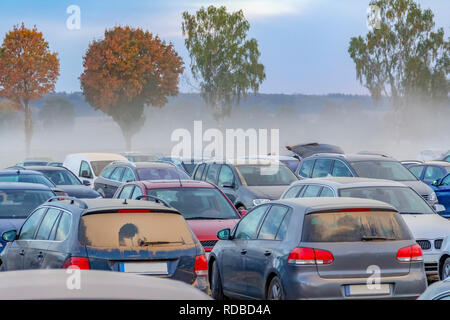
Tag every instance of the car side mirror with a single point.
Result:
(9, 236)
(439, 208)
(228, 184)
(87, 183)
(436, 183)
(224, 234)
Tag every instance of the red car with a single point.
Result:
(205, 208)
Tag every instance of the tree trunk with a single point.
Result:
(127, 136)
(28, 128)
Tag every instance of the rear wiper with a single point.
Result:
(143, 243)
(370, 238)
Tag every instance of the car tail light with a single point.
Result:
(410, 254)
(77, 262)
(201, 266)
(309, 256)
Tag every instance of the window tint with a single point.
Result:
(62, 177)
(292, 192)
(321, 168)
(340, 170)
(107, 172)
(211, 175)
(433, 173)
(47, 224)
(305, 170)
(283, 227)
(383, 169)
(116, 174)
(136, 193)
(20, 203)
(447, 158)
(30, 226)
(417, 171)
(446, 181)
(326, 192)
(225, 176)
(199, 171)
(272, 222)
(126, 192)
(128, 175)
(63, 227)
(85, 167)
(246, 228)
(311, 191)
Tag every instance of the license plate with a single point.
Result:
(144, 267)
(363, 289)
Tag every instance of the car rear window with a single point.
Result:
(354, 226)
(134, 230)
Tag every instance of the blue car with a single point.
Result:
(17, 201)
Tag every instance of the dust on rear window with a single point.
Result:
(141, 230)
(354, 227)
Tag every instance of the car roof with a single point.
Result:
(352, 157)
(347, 182)
(99, 156)
(46, 168)
(242, 161)
(153, 164)
(271, 157)
(308, 205)
(437, 162)
(23, 186)
(9, 171)
(153, 184)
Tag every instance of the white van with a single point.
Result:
(88, 166)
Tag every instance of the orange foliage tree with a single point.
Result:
(126, 71)
(28, 70)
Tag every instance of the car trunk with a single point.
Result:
(150, 243)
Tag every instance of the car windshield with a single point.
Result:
(30, 178)
(389, 170)
(403, 199)
(61, 177)
(98, 166)
(354, 226)
(161, 173)
(189, 167)
(197, 203)
(264, 175)
(34, 163)
(20, 203)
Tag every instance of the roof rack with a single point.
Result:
(157, 200)
(72, 200)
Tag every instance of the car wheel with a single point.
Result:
(216, 283)
(275, 290)
(445, 271)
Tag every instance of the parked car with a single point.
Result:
(290, 162)
(30, 176)
(308, 149)
(318, 248)
(65, 180)
(119, 172)
(95, 285)
(107, 234)
(246, 183)
(365, 166)
(17, 201)
(87, 166)
(442, 189)
(187, 164)
(430, 171)
(55, 164)
(34, 162)
(437, 291)
(138, 156)
(205, 208)
(431, 231)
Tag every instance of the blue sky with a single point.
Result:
(303, 43)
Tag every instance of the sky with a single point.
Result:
(303, 43)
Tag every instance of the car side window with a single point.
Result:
(136, 193)
(63, 227)
(272, 222)
(281, 234)
(126, 192)
(446, 181)
(199, 172)
(128, 175)
(211, 175)
(306, 168)
(84, 167)
(116, 174)
(47, 224)
(340, 170)
(310, 191)
(326, 192)
(417, 171)
(107, 172)
(31, 224)
(247, 227)
(225, 176)
(447, 158)
(292, 192)
(433, 173)
(321, 168)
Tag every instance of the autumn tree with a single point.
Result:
(223, 60)
(126, 71)
(56, 113)
(28, 71)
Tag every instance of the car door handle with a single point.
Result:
(22, 252)
(243, 251)
(267, 253)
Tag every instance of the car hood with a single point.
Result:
(267, 192)
(427, 226)
(79, 191)
(418, 186)
(10, 224)
(207, 229)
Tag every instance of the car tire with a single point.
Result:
(216, 283)
(275, 290)
(445, 270)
